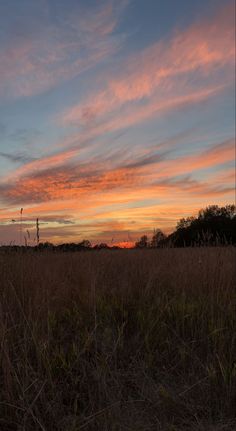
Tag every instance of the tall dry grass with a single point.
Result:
(124, 340)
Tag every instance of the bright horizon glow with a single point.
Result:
(116, 118)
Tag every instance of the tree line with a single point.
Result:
(212, 226)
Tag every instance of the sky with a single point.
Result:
(116, 117)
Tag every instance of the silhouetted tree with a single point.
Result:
(85, 244)
(142, 243)
(214, 226)
(45, 246)
(185, 222)
(158, 239)
(101, 246)
(213, 211)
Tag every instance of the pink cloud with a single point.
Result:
(85, 181)
(160, 72)
(44, 163)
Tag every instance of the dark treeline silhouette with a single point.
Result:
(213, 226)
(84, 245)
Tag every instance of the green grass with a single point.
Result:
(124, 340)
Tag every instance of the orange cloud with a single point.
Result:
(84, 182)
(205, 47)
(214, 156)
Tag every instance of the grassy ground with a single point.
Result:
(123, 340)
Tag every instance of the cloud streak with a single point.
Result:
(16, 158)
(38, 61)
(76, 181)
(164, 74)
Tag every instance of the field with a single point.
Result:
(135, 340)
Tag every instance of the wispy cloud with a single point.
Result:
(35, 62)
(163, 76)
(152, 171)
(16, 158)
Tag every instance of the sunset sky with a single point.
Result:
(116, 117)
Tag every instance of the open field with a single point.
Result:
(118, 340)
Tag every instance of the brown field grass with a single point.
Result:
(118, 340)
